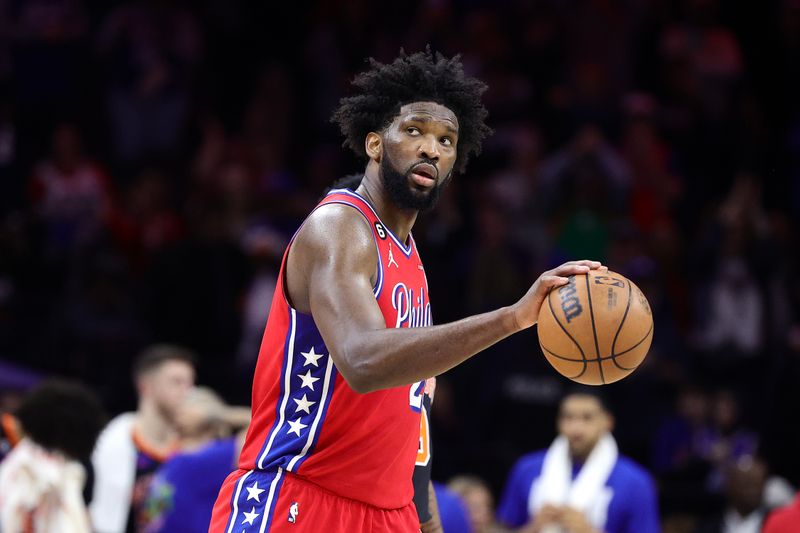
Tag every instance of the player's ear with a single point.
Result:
(373, 145)
(609, 422)
(142, 385)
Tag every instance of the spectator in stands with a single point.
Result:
(151, 50)
(581, 186)
(730, 440)
(135, 444)
(479, 501)
(744, 493)
(684, 438)
(785, 519)
(70, 192)
(453, 512)
(681, 450)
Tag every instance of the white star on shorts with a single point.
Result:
(253, 492)
(250, 517)
(311, 357)
(303, 404)
(296, 426)
(308, 381)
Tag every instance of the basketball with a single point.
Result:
(597, 328)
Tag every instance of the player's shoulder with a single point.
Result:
(117, 433)
(331, 224)
(530, 463)
(335, 213)
(633, 473)
(333, 217)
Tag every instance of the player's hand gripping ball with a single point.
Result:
(597, 328)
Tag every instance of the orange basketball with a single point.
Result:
(596, 329)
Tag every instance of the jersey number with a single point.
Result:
(415, 393)
(424, 450)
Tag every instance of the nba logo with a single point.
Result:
(293, 513)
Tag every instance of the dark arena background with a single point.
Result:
(156, 156)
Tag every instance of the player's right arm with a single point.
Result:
(329, 274)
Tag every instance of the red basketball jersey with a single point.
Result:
(306, 418)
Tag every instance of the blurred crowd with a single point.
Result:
(157, 155)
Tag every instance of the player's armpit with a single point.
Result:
(329, 273)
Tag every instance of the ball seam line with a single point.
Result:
(605, 358)
(594, 329)
(622, 322)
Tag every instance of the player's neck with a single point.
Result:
(154, 427)
(578, 459)
(398, 220)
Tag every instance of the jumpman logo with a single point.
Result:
(391, 258)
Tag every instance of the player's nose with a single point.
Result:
(428, 148)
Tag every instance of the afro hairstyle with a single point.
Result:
(420, 77)
(62, 415)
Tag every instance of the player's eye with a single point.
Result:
(411, 130)
(447, 141)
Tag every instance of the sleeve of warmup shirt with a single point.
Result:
(422, 470)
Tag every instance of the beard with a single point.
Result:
(402, 193)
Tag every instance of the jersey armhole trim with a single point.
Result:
(405, 248)
(377, 287)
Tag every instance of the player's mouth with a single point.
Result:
(424, 175)
(576, 445)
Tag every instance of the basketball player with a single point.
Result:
(581, 484)
(349, 343)
(134, 445)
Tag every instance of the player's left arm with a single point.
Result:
(643, 506)
(512, 511)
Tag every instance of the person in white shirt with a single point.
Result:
(134, 445)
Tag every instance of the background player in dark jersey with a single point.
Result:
(416, 121)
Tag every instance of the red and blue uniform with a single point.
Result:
(318, 455)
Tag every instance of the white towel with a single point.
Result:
(44, 487)
(587, 492)
(114, 461)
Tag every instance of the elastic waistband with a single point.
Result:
(305, 481)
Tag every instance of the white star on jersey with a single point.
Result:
(250, 517)
(303, 404)
(308, 381)
(253, 492)
(311, 357)
(296, 426)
